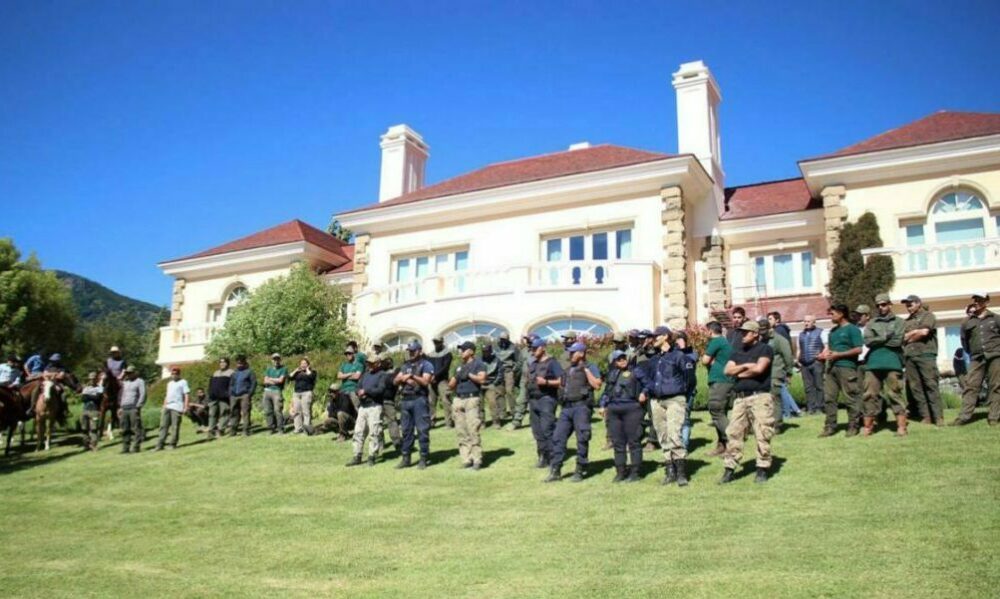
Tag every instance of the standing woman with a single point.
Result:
(304, 381)
(621, 407)
(467, 384)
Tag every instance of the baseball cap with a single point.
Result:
(763, 323)
(275, 355)
(980, 294)
(414, 346)
(615, 355)
(569, 335)
(751, 326)
(912, 299)
(863, 309)
(578, 346)
(661, 330)
(645, 333)
(505, 336)
(618, 337)
(114, 348)
(882, 298)
(467, 345)
(537, 342)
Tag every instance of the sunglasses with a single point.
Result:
(882, 304)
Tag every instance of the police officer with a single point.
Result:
(492, 387)
(414, 379)
(665, 386)
(981, 339)
(579, 381)
(622, 411)
(753, 405)
(620, 344)
(883, 371)
(511, 358)
(543, 382)
(470, 376)
(920, 349)
(440, 359)
(841, 357)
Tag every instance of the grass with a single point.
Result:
(875, 517)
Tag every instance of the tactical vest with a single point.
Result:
(575, 386)
(623, 386)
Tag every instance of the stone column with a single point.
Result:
(360, 264)
(834, 216)
(675, 248)
(177, 302)
(715, 271)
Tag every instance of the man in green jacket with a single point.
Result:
(841, 358)
(920, 348)
(981, 339)
(781, 366)
(883, 375)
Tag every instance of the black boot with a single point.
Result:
(555, 475)
(680, 467)
(542, 462)
(671, 476)
(579, 473)
(633, 474)
(619, 474)
(422, 464)
(727, 477)
(761, 475)
(404, 462)
(371, 461)
(355, 461)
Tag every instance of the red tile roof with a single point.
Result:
(938, 127)
(792, 309)
(536, 168)
(290, 232)
(772, 197)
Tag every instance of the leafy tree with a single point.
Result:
(139, 345)
(36, 310)
(338, 231)
(854, 281)
(291, 314)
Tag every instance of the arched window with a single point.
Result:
(397, 341)
(472, 332)
(218, 313)
(555, 329)
(958, 221)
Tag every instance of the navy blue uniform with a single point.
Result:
(542, 404)
(415, 408)
(624, 414)
(577, 406)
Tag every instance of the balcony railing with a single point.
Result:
(194, 334)
(942, 257)
(590, 274)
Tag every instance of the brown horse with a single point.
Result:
(109, 402)
(49, 397)
(13, 411)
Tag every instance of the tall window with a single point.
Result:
(472, 332)
(555, 329)
(777, 274)
(218, 313)
(599, 246)
(414, 268)
(947, 240)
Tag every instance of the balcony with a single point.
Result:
(942, 258)
(185, 343)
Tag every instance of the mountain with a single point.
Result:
(95, 302)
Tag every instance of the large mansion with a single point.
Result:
(602, 238)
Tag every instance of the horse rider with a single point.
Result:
(56, 374)
(11, 373)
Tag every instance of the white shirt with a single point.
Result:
(176, 390)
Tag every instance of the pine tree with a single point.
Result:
(854, 281)
(338, 231)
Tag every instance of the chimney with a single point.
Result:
(404, 156)
(698, 101)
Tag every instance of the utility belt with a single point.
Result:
(746, 394)
(414, 397)
(573, 402)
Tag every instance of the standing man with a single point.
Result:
(883, 373)
(174, 405)
(981, 340)
(304, 381)
(470, 376)
(682, 345)
(544, 379)
(753, 406)
(374, 384)
(841, 359)
(390, 412)
(242, 386)
(781, 372)
(665, 385)
(920, 348)
(349, 376)
(92, 394)
(274, 402)
(810, 347)
(492, 387)
(521, 404)
(579, 381)
(414, 379)
(719, 385)
(440, 359)
(778, 327)
(735, 334)
(218, 398)
(510, 357)
(130, 410)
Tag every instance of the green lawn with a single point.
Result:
(882, 517)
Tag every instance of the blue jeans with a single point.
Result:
(686, 427)
(788, 405)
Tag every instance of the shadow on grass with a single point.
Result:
(749, 468)
(493, 455)
(694, 444)
(442, 455)
(23, 460)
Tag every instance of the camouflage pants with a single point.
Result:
(879, 383)
(756, 411)
(668, 418)
(89, 420)
(840, 379)
(495, 400)
(369, 421)
(439, 392)
(465, 412)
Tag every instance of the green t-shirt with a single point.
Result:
(843, 338)
(275, 373)
(719, 349)
(350, 385)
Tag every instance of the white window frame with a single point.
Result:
(588, 243)
(769, 285)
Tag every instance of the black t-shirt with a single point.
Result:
(760, 383)
(466, 386)
(304, 382)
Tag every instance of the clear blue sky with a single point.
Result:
(133, 132)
